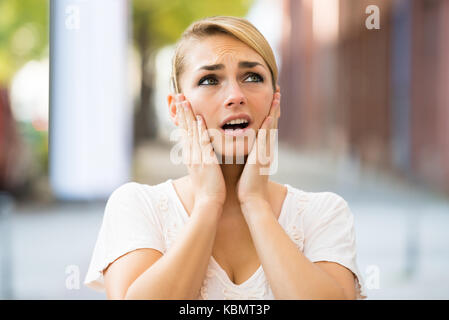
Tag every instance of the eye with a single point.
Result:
(208, 80)
(255, 76)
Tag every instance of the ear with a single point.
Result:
(172, 108)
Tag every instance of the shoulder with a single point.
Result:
(134, 189)
(133, 197)
(322, 198)
(326, 201)
(126, 190)
(327, 221)
(319, 206)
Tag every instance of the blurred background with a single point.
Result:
(365, 114)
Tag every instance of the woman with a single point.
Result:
(225, 231)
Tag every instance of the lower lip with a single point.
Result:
(236, 132)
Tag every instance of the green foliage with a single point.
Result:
(23, 34)
(165, 20)
(24, 25)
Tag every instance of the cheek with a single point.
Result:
(202, 105)
(196, 103)
(262, 109)
(193, 99)
(268, 101)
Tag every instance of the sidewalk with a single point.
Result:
(401, 231)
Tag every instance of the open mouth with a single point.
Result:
(235, 126)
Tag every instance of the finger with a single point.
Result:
(267, 122)
(176, 101)
(193, 134)
(204, 138)
(200, 132)
(207, 153)
(272, 140)
(277, 114)
(279, 104)
(275, 106)
(187, 130)
(188, 112)
(180, 116)
(265, 144)
(179, 97)
(263, 134)
(273, 134)
(185, 134)
(182, 121)
(279, 109)
(275, 111)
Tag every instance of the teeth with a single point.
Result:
(237, 121)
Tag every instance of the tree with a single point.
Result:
(23, 34)
(157, 23)
(23, 37)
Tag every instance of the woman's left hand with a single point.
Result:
(253, 182)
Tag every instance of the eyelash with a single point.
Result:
(200, 83)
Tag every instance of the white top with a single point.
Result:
(142, 216)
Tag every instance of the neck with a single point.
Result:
(231, 175)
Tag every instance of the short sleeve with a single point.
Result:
(129, 223)
(330, 236)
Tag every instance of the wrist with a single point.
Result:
(253, 200)
(254, 204)
(253, 196)
(208, 207)
(208, 202)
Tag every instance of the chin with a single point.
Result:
(232, 152)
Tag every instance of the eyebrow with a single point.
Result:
(242, 64)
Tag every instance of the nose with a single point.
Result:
(235, 96)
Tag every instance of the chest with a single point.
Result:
(234, 250)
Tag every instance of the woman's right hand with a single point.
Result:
(205, 173)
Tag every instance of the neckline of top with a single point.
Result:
(186, 215)
(214, 261)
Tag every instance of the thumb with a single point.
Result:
(267, 122)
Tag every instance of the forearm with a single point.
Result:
(179, 273)
(290, 274)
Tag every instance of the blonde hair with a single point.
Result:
(239, 28)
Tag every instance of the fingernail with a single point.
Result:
(180, 97)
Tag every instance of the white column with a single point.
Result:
(90, 141)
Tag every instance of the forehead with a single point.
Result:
(219, 49)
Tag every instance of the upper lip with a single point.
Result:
(236, 116)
